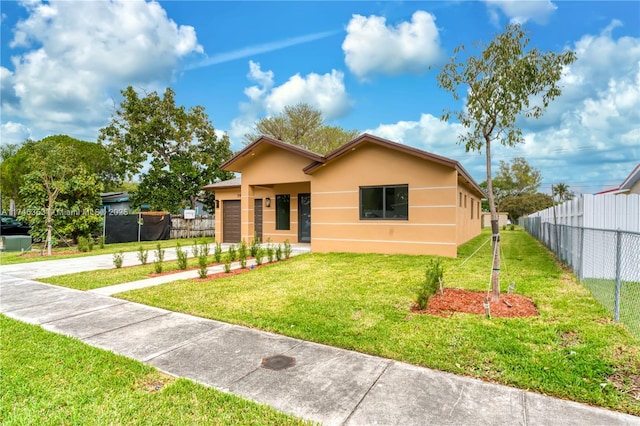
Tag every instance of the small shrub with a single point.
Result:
(512, 227)
(217, 252)
(255, 245)
(159, 258)
(243, 251)
(83, 244)
(101, 241)
(243, 263)
(259, 255)
(143, 255)
(90, 243)
(118, 258)
(430, 285)
(287, 249)
(233, 254)
(227, 265)
(279, 252)
(204, 248)
(202, 266)
(182, 257)
(270, 253)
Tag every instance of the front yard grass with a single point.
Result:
(51, 379)
(362, 302)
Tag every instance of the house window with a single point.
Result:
(465, 201)
(283, 212)
(384, 202)
(460, 200)
(478, 210)
(472, 208)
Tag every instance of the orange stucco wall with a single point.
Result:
(436, 222)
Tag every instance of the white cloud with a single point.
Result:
(589, 137)
(372, 47)
(78, 54)
(325, 92)
(521, 11)
(14, 133)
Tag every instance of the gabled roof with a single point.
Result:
(367, 138)
(626, 184)
(229, 183)
(259, 145)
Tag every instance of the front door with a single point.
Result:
(304, 218)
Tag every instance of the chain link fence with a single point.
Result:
(606, 262)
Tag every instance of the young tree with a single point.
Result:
(303, 126)
(501, 83)
(183, 149)
(60, 183)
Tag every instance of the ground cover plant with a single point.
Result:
(48, 378)
(572, 349)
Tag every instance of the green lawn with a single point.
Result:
(604, 291)
(362, 301)
(9, 258)
(51, 379)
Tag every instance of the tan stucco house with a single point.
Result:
(370, 195)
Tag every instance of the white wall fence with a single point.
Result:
(607, 211)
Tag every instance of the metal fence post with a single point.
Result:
(616, 309)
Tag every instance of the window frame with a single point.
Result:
(384, 195)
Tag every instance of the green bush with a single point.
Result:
(118, 258)
(270, 252)
(83, 244)
(255, 245)
(259, 255)
(143, 255)
(159, 254)
(430, 284)
(227, 265)
(101, 241)
(90, 243)
(279, 252)
(202, 266)
(287, 249)
(217, 252)
(233, 254)
(243, 251)
(182, 257)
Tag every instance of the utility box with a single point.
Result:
(16, 242)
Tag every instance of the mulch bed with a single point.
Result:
(472, 302)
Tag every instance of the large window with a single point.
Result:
(283, 212)
(384, 202)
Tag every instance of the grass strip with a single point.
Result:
(52, 379)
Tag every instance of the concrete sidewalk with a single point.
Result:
(316, 382)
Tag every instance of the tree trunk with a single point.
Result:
(49, 227)
(495, 230)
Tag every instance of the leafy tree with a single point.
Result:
(60, 184)
(517, 178)
(303, 126)
(524, 204)
(183, 149)
(562, 192)
(501, 83)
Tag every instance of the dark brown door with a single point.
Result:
(304, 218)
(231, 221)
(257, 217)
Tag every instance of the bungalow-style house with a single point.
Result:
(370, 195)
(631, 185)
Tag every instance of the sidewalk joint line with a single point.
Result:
(375, 382)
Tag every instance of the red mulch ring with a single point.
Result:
(472, 302)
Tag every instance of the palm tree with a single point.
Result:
(562, 191)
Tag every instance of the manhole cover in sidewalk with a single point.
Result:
(278, 362)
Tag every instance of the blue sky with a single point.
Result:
(369, 66)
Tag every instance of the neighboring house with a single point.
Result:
(117, 203)
(370, 195)
(503, 219)
(631, 185)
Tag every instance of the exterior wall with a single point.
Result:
(432, 211)
(635, 189)
(468, 215)
(486, 219)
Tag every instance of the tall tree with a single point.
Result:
(59, 183)
(561, 192)
(303, 126)
(517, 178)
(181, 145)
(501, 83)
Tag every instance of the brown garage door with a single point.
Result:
(231, 221)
